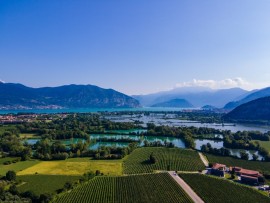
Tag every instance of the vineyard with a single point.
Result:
(230, 161)
(215, 190)
(167, 159)
(128, 189)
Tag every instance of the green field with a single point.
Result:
(69, 167)
(3, 160)
(128, 189)
(218, 190)
(230, 161)
(17, 167)
(40, 184)
(177, 160)
(265, 144)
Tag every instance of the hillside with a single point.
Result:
(179, 103)
(197, 96)
(17, 96)
(255, 110)
(252, 96)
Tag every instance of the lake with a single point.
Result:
(176, 141)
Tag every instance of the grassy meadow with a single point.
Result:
(17, 167)
(75, 167)
(40, 184)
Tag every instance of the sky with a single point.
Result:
(136, 46)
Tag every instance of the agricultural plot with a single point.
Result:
(17, 167)
(40, 184)
(128, 189)
(75, 167)
(217, 190)
(265, 144)
(167, 159)
(230, 161)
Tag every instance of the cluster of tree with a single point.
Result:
(112, 152)
(46, 150)
(158, 144)
(12, 145)
(207, 148)
(72, 126)
(114, 139)
(184, 133)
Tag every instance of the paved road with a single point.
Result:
(204, 160)
(186, 188)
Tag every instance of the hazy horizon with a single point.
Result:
(136, 47)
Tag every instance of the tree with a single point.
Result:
(68, 185)
(244, 155)
(255, 157)
(152, 158)
(97, 172)
(11, 175)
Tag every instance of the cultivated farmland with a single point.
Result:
(167, 159)
(217, 190)
(128, 189)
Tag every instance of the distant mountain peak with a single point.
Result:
(14, 96)
(177, 103)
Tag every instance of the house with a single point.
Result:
(218, 170)
(248, 176)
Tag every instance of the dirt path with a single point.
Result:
(204, 160)
(186, 188)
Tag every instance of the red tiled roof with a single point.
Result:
(250, 177)
(218, 166)
(249, 172)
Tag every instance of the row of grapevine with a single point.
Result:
(167, 159)
(217, 190)
(128, 189)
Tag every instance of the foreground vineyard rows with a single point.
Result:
(217, 190)
(128, 189)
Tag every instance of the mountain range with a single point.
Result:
(258, 109)
(197, 96)
(14, 96)
(177, 103)
(253, 95)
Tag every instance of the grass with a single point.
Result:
(75, 167)
(167, 159)
(230, 161)
(3, 160)
(217, 190)
(28, 135)
(265, 144)
(158, 188)
(17, 167)
(40, 184)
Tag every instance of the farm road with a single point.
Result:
(186, 188)
(204, 160)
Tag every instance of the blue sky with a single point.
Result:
(136, 46)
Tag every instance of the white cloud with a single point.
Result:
(217, 84)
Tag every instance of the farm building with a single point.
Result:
(248, 176)
(218, 169)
